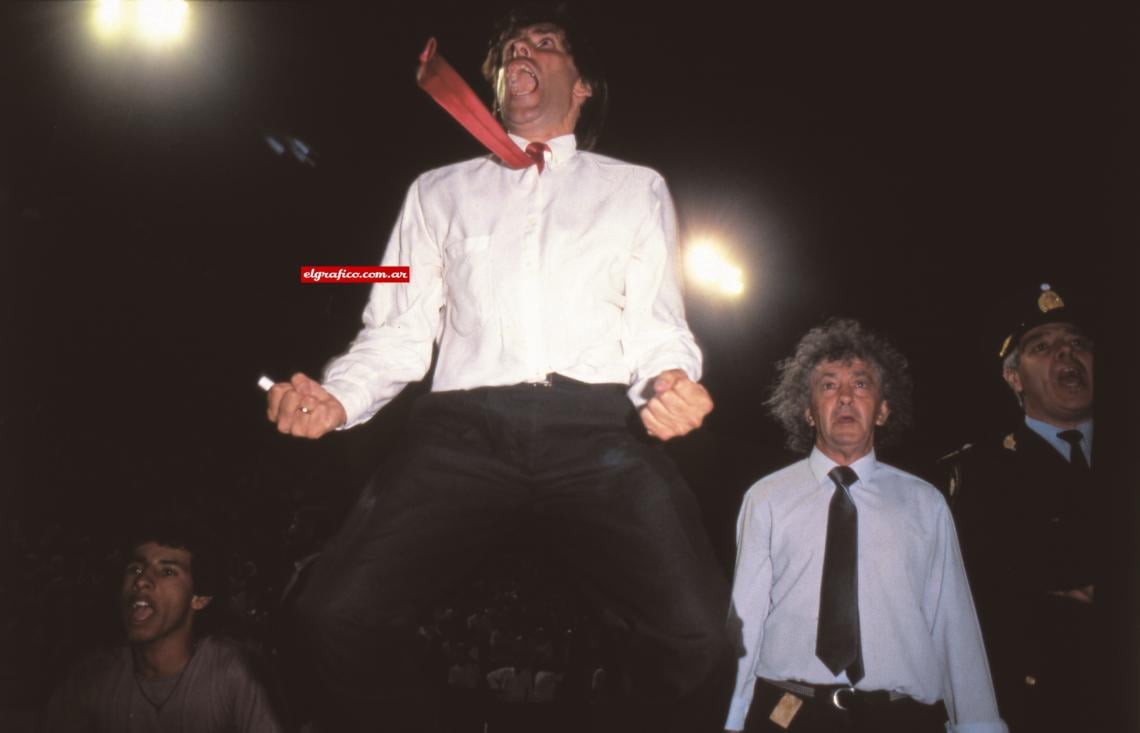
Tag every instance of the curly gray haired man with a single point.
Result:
(850, 589)
(840, 340)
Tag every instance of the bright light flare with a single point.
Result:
(152, 21)
(108, 18)
(162, 21)
(707, 266)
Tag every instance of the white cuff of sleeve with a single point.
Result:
(738, 713)
(353, 410)
(641, 391)
(989, 726)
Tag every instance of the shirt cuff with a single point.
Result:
(637, 391)
(641, 391)
(355, 413)
(989, 726)
(738, 713)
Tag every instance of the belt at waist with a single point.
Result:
(554, 379)
(839, 696)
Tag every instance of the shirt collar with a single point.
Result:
(562, 148)
(1049, 433)
(821, 465)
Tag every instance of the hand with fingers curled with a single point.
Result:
(678, 405)
(302, 408)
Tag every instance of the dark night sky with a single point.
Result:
(902, 165)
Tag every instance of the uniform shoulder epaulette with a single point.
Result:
(950, 465)
(956, 454)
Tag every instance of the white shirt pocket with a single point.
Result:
(468, 295)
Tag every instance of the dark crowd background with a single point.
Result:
(910, 166)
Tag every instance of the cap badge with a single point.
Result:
(1049, 300)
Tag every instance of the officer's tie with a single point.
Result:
(837, 638)
(1077, 456)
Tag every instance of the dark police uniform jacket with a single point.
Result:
(1027, 525)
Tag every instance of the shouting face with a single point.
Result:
(157, 596)
(1054, 374)
(539, 90)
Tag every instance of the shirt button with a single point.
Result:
(1030, 681)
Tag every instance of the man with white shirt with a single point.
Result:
(850, 589)
(1026, 503)
(553, 295)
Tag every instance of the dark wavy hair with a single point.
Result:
(207, 570)
(843, 340)
(586, 60)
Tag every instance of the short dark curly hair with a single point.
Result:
(207, 569)
(586, 60)
(843, 340)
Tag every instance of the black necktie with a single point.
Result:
(837, 638)
(1077, 457)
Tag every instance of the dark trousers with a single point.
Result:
(561, 465)
(820, 716)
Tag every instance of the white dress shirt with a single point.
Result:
(918, 627)
(519, 274)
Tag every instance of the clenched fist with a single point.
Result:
(301, 407)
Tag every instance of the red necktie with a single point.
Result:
(437, 78)
(537, 152)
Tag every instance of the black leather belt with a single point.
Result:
(841, 697)
(550, 380)
(554, 379)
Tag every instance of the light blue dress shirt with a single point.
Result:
(919, 629)
(1049, 433)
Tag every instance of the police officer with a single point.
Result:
(1025, 504)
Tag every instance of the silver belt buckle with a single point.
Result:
(835, 696)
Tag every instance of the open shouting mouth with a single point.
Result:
(1071, 377)
(522, 77)
(141, 609)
